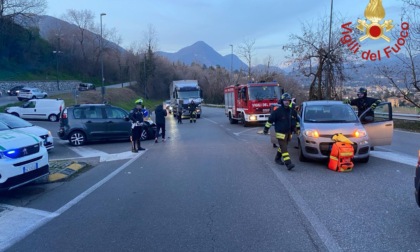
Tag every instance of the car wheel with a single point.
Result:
(20, 99)
(231, 120)
(302, 157)
(53, 118)
(33, 97)
(45, 96)
(77, 138)
(15, 114)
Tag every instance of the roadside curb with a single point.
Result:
(66, 171)
(62, 169)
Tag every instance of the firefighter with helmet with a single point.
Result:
(136, 117)
(192, 109)
(282, 118)
(362, 102)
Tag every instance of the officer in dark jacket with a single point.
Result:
(136, 117)
(362, 102)
(160, 115)
(282, 118)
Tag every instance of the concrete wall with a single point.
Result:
(47, 86)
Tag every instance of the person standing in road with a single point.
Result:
(136, 117)
(179, 114)
(160, 115)
(283, 124)
(193, 113)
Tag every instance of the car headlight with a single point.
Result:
(252, 117)
(359, 133)
(312, 133)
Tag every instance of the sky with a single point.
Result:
(219, 23)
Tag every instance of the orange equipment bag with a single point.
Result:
(341, 157)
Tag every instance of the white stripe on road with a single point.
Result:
(16, 223)
(103, 156)
(20, 222)
(396, 157)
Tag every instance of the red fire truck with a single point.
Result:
(250, 103)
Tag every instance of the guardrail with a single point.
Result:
(408, 117)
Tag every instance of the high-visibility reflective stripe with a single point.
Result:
(333, 158)
(279, 149)
(280, 136)
(346, 154)
(285, 156)
(268, 125)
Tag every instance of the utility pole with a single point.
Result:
(329, 63)
(102, 63)
(57, 52)
(231, 63)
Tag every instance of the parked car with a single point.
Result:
(91, 122)
(18, 124)
(417, 181)
(86, 87)
(46, 109)
(31, 93)
(320, 120)
(23, 158)
(15, 90)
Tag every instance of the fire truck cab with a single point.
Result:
(250, 103)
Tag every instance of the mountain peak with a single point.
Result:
(202, 53)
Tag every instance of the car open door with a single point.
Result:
(379, 126)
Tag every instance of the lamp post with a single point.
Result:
(329, 55)
(102, 63)
(231, 62)
(56, 60)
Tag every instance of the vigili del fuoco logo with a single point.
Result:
(376, 28)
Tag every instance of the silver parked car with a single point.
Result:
(31, 93)
(320, 120)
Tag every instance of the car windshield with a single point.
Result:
(329, 113)
(13, 122)
(3, 126)
(264, 92)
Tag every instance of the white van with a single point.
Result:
(49, 109)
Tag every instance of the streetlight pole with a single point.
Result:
(329, 84)
(102, 63)
(56, 59)
(231, 62)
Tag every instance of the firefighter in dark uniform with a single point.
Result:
(362, 102)
(136, 117)
(282, 118)
(192, 109)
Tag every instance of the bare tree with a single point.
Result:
(246, 50)
(84, 20)
(27, 8)
(315, 59)
(405, 74)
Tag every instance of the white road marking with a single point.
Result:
(211, 120)
(238, 133)
(103, 156)
(17, 222)
(396, 157)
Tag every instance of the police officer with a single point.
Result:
(136, 117)
(362, 102)
(192, 107)
(283, 123)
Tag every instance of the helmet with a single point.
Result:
(139, 101)
(363, 91)
(286, 97)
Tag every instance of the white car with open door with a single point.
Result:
(320, 120)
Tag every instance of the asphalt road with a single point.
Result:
(214, 187)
